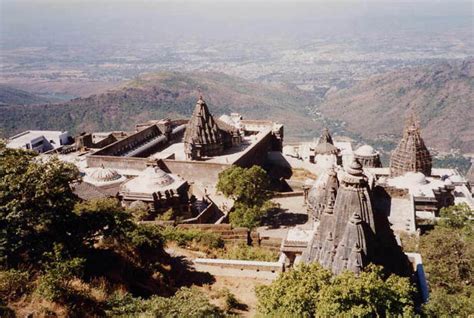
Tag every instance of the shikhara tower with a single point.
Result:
(202, 138)
(411, 154)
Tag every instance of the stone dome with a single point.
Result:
(104, 175)
(415, 178)
(355, 168)
(156, 176)
(366, 151)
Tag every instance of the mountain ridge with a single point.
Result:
(442, 96)
(166, 94)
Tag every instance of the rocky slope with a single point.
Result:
(162, 95)
(442, 95)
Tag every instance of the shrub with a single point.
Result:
(13, 283)
(249, 253)
(54, 284)
(249, 216)
(309, 291)
(187, 302)
(192, 237)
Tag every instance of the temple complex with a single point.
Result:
(357, 208)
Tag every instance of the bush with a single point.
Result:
(310, 290)
(54, 284)
(249, 253)
(13, 284)
(187, 302)
(192, 237)
(249, 216)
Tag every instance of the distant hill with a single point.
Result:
(171, 95)
(442, 95)
(13, 96)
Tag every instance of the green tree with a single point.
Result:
(248, 216)
(249, 188)
(187, 302)
(370, 294)
(36, 204)
(458, 216)
(311, 291)
(448, 258)
(294, 293)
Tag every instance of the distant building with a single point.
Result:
(40, 140)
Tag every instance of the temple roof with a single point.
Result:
(365, 151)
(352, 248)
(326, 137)
(347, 220)
(411, 154)
(202, 129)
(152, 180)
(325, 145)
(324, 187)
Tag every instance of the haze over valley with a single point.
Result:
(323, 53)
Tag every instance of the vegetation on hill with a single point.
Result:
(311, 291)
(448, 258)
(13, 96)
(250, 190)
(73, 258)
(441, 94)
(166, 95)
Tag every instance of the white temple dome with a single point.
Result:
(156, 176)
(415, 178)
(104, 175)
(365, 150)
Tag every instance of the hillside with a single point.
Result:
(167, 94)
(13, 96)
(442, 95)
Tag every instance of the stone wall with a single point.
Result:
(195, 171)
(94, 161)
(239, 268)
(256, 154)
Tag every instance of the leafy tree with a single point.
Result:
(448, 257)
(250, 190)
(367, 295)
(294, 293)
(311, 291)
(246, 186)
(458, 216)
(36, 204)
(248, 216)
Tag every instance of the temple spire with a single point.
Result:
(411, 154)
(202, 136)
